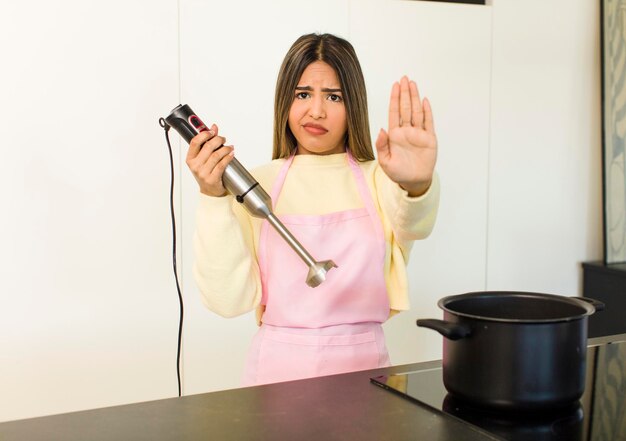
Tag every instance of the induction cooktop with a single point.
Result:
(600, 414)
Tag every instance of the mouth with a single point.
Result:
(314, 129)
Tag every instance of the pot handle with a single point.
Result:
(451, 331)
(595, 303)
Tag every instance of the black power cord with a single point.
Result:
(166, 127)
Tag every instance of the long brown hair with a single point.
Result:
(340, 55)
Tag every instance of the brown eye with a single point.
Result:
(335, 98)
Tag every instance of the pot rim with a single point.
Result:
(589, 308)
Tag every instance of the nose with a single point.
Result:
(317, 109)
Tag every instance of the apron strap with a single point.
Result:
(280, 179)
(366, 195)
(276, 188)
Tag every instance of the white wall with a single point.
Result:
(87, 304)
(88, 307)
(545, 200)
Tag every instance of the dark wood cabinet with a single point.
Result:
(606, 283)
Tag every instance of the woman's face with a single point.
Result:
(317, 117)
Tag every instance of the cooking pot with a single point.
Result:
(517, 351)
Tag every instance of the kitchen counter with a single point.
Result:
(338, 407)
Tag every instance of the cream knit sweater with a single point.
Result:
(227, 237)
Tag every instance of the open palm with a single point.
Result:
(407, 152)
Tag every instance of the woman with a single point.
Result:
(337, 200)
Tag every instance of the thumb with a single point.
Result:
(382, 142)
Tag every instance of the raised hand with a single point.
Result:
(407, 152)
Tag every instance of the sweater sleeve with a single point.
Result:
(225, 268)
(405, 219)
(410, 218)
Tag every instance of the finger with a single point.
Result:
(429, 123)
(382, 143)
(211, 162)
(221, 165)
(417, 114)
(405, 102)
(212, 174)
(197, 163)
(196, 143)
(218, 142)
(394, 106)
(217, 155)
(209, 147)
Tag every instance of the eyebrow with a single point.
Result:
(309, 88)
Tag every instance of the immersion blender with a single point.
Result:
(247, 191)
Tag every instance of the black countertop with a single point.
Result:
(337, 407)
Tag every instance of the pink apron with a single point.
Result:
(335, 327)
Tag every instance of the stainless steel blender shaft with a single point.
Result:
(317, 270)
(239, 182)
(278, 225)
